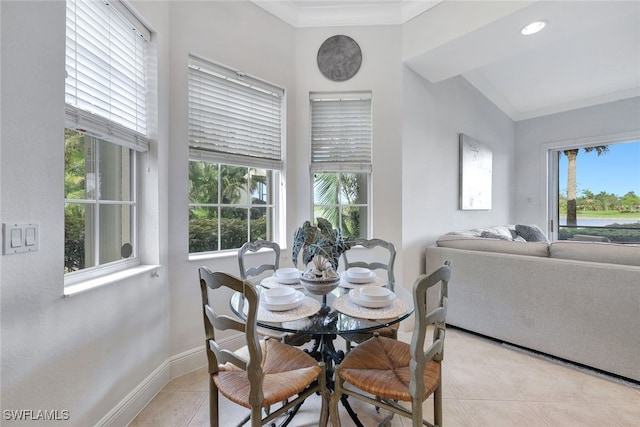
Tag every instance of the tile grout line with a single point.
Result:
(205, 400)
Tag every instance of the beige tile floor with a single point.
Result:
(485, 384)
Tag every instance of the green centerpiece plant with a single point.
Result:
(321, 245)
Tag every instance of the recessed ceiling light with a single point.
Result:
(534, 27)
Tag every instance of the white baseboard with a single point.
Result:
(187, 361)
(139, 397)
(173, 367)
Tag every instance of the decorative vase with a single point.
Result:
(319, 284)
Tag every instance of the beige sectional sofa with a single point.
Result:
(578, 301)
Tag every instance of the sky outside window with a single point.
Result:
(617, 171)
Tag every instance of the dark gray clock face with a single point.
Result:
(339, 58)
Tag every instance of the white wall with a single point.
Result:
(259, 44)
(380, 73)
(83, 354)
(606, 123)
(242, 36)
(434, 115)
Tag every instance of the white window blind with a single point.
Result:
(105, 90)
(340, 132)
(234, 118)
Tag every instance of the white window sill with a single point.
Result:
(230, 253)
(213, 255)
(87, 285)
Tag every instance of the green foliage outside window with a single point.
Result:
(203, 233)
(74, 165)
(341, 199)
(74, 255)
(602, 206)
(99, 205)
(74, 188)
(602, 202)
(242, 192)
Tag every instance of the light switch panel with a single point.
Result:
(30, 236)
(20, 237)
(16, 237)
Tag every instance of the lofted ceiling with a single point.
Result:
(589, 53)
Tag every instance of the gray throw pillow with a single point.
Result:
(531, 233)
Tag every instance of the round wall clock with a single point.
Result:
(339, 58)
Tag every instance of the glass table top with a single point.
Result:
(333, 313)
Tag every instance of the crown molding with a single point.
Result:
(301, 14)
(285, 10)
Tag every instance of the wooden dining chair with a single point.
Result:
(263, 374)
(247, 270)
(382, 371)
(382, 257)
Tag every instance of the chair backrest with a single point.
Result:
(374, 244)
(211, 282)
(247, 272)
(436, 318)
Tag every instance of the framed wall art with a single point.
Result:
(476, 162)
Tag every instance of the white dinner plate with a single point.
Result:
(272, 282)
(354, 295)
(285, 305)
(377, 281)
(366, 279)
(288, 280)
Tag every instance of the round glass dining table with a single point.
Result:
(322, 318)
(332, 314)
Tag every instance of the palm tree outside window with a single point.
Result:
(597, 190)
(341, 160)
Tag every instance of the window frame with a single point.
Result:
(340, 205)
(363, 164)
(206, 148)
(219, 205)
(101, 126)
(95, 202)
(551, 153)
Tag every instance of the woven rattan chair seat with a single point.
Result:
(390, 331)
(380, 366)
(287, 371)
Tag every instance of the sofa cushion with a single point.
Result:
(490, 235)
(507, 232)
(611, 253)
(540, 249)
(531, 233)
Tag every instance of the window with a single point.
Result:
(228, 205)
(99, 203)
(596, 192)
(105, 96)
(235, 140)
(341, 160)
